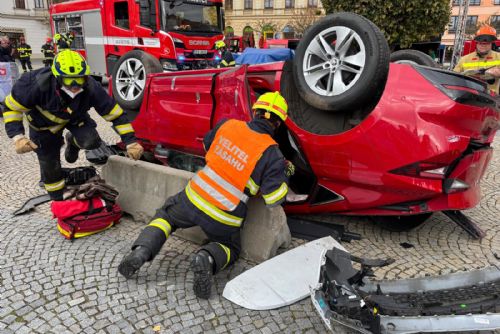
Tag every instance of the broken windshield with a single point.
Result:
(197, 16)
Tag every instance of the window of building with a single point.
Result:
(495, 22)
(39, 3)
(312, 3)
(496, 2)
(121, 15)
(21, 4)
(268, 4)
(228, 4)
(471, 24)
(452, 26)
(471, 2)
(248, 4)
(289, 3)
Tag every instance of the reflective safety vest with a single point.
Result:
(473, 62)
(231, 159)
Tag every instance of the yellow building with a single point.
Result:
(479, 11)
(278, 18)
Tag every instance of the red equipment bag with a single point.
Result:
(80, 218)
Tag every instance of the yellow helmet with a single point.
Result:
(220, 45)
(272, 102)
(70, 68)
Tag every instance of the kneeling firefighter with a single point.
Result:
(242, 160)
(57, 98)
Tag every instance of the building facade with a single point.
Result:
(270, 18)
(480, 11)
(28, 18)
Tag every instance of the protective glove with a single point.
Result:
(23, 144)
(134, 151)
(494, 71)
(289, 168)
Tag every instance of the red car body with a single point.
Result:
(418, 151)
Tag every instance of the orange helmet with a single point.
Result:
(486, 34)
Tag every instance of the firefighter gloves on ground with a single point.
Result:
(23, 144)
(134, 151)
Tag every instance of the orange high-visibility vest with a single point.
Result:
(231, 159)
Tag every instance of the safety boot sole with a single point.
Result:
(129, 266)
(202, 284)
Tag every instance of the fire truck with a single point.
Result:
(129, 39)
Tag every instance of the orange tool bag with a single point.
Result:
(80, 218)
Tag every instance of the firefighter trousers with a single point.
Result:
(178, 212)
(49, 153)
(26, 64)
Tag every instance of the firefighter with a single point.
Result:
(484, 60)
(64, 41)
(56, 98)
(226, 56)
(48, 52)
(24, 51)
(242, 160)
(5, 50)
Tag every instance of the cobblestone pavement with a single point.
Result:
(49, 284)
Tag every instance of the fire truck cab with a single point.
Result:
(129, 39)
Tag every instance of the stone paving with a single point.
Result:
(51, 285)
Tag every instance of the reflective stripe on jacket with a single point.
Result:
(230, 161)
(473, 62)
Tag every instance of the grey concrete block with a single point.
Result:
(144, 187)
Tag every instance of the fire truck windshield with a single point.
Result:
(195, 16)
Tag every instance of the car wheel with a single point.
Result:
(412, 57)
(129, 77)
(401, 223)
(342, 63)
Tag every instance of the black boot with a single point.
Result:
(202, 267)
(71, 151)
(132, 262)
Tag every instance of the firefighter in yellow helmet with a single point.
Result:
(226, 56)
(483, 64)
(243, 160)
(56, 98)
(64, 40)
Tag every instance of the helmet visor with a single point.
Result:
(73, 81)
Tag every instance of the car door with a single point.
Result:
(178, 112)
(232, 95)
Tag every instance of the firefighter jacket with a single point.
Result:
(24, 51)
(227, 59)
(48, 51)
(473, 62)
(63, 41)
(242, 160)
(37, 96)
(6, 54)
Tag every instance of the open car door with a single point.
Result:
(232, 96)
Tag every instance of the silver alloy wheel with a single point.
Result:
(130, 79)
(334, 61)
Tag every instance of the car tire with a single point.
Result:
(413, 57)
(129, 77)
(401, 223)
(349, 77)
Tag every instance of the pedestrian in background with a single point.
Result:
(6, 50)
(48, 52)
(24, 51)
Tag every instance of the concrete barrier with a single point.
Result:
(144, 187)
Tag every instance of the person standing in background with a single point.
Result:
(24, 51)
(48, 52)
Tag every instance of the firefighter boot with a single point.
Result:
(71, 151)
(132, 262)
(202, 267)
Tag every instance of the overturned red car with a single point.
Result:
(394, 141)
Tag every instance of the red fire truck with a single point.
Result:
(128, 39)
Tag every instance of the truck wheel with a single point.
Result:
(401, 223)
(413, 57)
(342, 63)
(129, 77)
